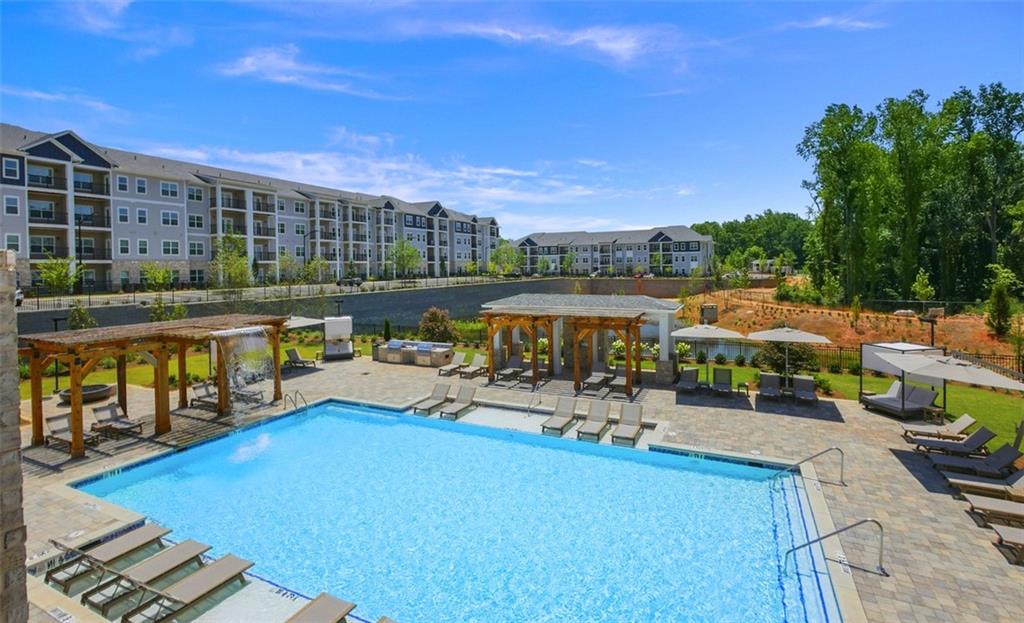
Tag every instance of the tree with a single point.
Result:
(831, 290)
(159, 279)
(471, 268)
(773, 356)
(60, 274)
(315, 269)
(404, 257)
(437, 326)
(1000, 303)
(656, 263)
(80, 318)
(921, 288)
(289, 269)
(229, 269)
(544, 266)
(506, 258)
(568, 260)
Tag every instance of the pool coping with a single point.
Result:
(851, 607)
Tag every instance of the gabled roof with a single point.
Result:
(577, 304)
(674, 233)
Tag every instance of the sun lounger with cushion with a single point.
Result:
(1013, 539)
(296, 361)
(1011, 487)
(527, 375)
(954, 430)
(323, 609)
(512, 369)
(596, 423)
(110, 420)
(913, 401)
(597, 380)
(189, 590)
(688, 380)
(108, 594)
(463, 402)
(561, 419)
(722, 381)
(630, 426)
(973, 444)
(437, 398)
(994, 509)
(803, 389)
(771, 386)
(105, 553)
(204, 395)
(475, 368)
(59, 427)
(995, 465)
(617, 382)
(458, 362)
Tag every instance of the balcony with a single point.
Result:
(50, 217)
(389, 239)
(47, 181)
(328, 214)
(92, 187)
(92, 254)
(262, 231)
(230, 202)
(264, 256)
(328, 235)
(92, 220)
(358, 218)
(359, 257)
(263, 206)
(42, 253)
(358, 237)
(329, 255)
(235, 229)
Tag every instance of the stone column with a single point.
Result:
(13, 596)
(666, 368)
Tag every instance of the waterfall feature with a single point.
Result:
(247, 355)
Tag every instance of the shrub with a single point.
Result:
(387, 330)
(618, 349)
(54, 369)
(721, 359)
(107, 363)
(702, 357)
(23, 371)
(801, 357)
(437, 326)
(682, 350)
(740, 360)
(835, 368)
(655, 350)
(542, 346)
(823, 384)
(854, 368)
(80, 318)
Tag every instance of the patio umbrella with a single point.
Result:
(706, 333)
(788, 335)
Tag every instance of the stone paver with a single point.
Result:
(942, 565)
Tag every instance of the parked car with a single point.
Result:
(351, 281)
(19, 296)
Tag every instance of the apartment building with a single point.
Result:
(114, 210)
(674, 250)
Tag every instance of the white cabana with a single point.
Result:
(871, 358)
(706, 333)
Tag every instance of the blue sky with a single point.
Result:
(547, 116)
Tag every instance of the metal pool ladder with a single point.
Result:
(842, 464)
(295, 397)
(870, 520)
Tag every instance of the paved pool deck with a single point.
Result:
(942, 564)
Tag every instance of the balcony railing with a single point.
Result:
(229, 202)
(41, 253)
(92, 220)
(264, 256)
(52, 217)
(47, 181)
(236, 229)
(263, 206)
(359, 257)
(95, 188)
(328, 235)
(358, 237)
(358, 218)
(92, 254)
(265, 232)
(329, 214)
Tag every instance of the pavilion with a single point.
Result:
(569, 320)
(81, 350)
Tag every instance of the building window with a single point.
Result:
(122, 183)
(169, 247)
(11, 205)
(122, 215)
(195, 221)
(168, 189)
(300, 251)
(300, 207)
(141, 216)
(142, 247)
(196, 248)
(693, 258)
(13, 243)
(169, 218)
(300, 229)
(196, 275)
(123, 248)
(280, 205)
(282, 228)
(140, 185)
(12, 168)
(195, 193)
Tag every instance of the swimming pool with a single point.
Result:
(429, 520)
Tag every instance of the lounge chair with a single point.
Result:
(973, 444)
(597, 380)
(596, 423)
(204, 395)
(994, 509)
(463, 402)
(108, 594)
(617, 382)
(458, 363)
(437, 398)
(722, 381)
(82, 562)
(630, 426)
(111, 421)
(803, 389)
(59, 427)
(526, 376)
(995, 465)
(562, 418)
(323, 609)
(1013, 539)
(475, 368)
(688, 380)
(954, 430)
(770, 386)
(912, 403)
(296, 361)
(1011, 487)
(512, 369)
(186, 592)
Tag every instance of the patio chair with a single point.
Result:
(296, 361)
(59, 430)
(597, 380)
(954, 430)
(617, 382)
(973, 444)
(1013, 539)
(111, 421)
(204, 395)
(458, 362)
(771, 386)
(562, 418)
(688, 378)
(996, 510)
(82, 563)
(630, 426)
(475, 368)
(463, 402)
(189, 590)
(1011, 487)
(527, 375)
(324, 608)
(108, 594)
(437, 398)
(596, 423)
(512, 369)
(722, 381)
(803, 389)
(995, 465)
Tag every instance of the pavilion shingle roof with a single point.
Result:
(608, 305)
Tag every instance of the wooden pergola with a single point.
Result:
(81, 350)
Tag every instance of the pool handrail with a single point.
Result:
(871, 520)
(842, 464)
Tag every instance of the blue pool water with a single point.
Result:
(427, 520)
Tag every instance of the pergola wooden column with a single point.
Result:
(531, 324)
(81, 350)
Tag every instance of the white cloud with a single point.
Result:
(593, 163)
(685, 191)
(343, 137)
(281, 65)
(79, 99)
(108, 18)
(834, 22)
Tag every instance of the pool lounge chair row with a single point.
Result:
(450, 409)
(770, 386)
(107, 420)
(596, 422)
